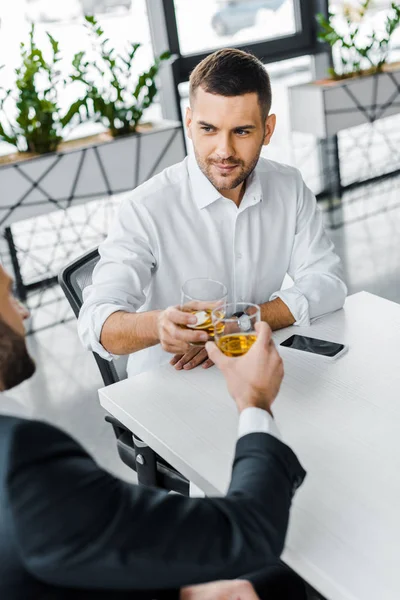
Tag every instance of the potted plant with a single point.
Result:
(39, 125)
(114, 97)
(48, 173)
(363, 85)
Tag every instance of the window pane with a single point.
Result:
(213, 24)
(122, 21)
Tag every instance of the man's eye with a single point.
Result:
(242, 131)
(207, 129)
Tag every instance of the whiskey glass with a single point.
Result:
(201, 296)
(235, 328)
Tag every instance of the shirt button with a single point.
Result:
(239, 255)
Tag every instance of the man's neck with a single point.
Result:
(236, 195)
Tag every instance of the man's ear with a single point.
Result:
(188, 122)
(270, 124)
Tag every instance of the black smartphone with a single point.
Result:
(315, 346)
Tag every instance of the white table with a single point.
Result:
(341, 418)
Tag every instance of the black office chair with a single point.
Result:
(151, 469)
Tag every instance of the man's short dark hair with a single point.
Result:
(232, 72)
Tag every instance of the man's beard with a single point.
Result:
(244, 173)
(16, 365)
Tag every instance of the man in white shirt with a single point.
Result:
(223, 213)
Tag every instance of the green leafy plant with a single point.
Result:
(115, 96)
(358, 53)
(38, 124)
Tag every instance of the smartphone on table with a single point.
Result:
(332, 350)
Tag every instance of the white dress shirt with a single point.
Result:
(257, 420)
(177, 226)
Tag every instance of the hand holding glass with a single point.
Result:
(234, 328)
(202, 296)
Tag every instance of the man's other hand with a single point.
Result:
(236, 589)
(173, 333)
(191, 359)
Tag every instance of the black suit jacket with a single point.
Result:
(67, 523)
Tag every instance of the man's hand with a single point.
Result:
(173, 337)
(191, 359)
(255, 378)
(236, 589)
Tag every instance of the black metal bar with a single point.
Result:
(19, 282)
(33, 329)
(103, 171)
(19, 170)
(41, 283)
(36, 184)
(76, 178)
(355, 184)
(325, 194)
(382, 108)
(368, 215)
(337, 187)
(329, 148)
(267, 52)
(136, 173)
(146, 463)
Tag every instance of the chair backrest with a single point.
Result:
(73, 279)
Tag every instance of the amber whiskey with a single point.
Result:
(236, 344)
(204, 322)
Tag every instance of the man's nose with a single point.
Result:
(225, 148)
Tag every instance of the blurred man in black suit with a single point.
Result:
(70, 530)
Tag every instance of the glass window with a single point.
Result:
(122, 20)
(213, 24)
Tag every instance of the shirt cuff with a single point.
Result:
(257, 420)
(90, 335)
(296, 302)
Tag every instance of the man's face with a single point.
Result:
(228, 134)
(16, 364)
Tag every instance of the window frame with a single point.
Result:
(303, 42)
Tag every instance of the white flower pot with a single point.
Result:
(324, 108)
(29, 188)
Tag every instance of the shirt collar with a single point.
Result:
(204, 193)
(253, 194)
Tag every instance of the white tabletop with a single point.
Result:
(342, 419)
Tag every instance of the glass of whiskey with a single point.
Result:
(235, 330)
(201, 296)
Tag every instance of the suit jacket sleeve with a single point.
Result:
(77, 525)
